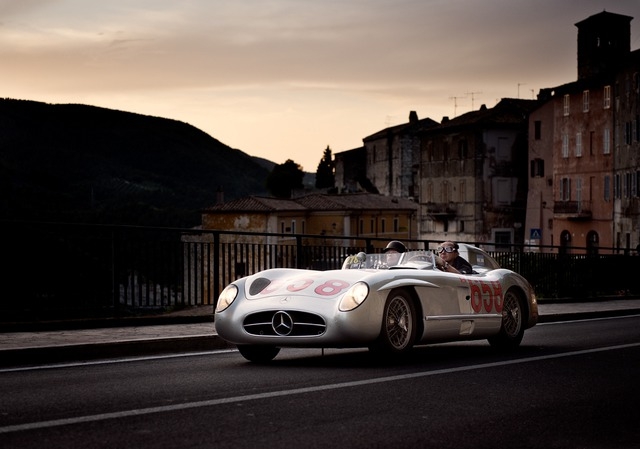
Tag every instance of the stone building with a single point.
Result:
(329, 217)
(626, 165)
(584, 170)
(473, 175)
(351, 171)
(393, 157)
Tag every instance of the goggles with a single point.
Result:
(442, 249)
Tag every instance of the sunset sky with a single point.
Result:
(282, 79)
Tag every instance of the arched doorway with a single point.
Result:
(565, 242)
(593, 242)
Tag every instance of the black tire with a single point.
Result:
(399, 324)
(513, 322)
(258, 354)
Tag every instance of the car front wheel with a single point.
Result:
(398, 331)
(258, 354)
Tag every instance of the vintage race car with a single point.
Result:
(370, 303)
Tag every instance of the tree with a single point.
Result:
(284, 178)
(325, 175)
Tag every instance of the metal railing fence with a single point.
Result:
(57, 271)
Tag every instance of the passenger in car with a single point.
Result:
(393, 251)
(449, 260)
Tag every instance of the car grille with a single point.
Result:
(284, 323)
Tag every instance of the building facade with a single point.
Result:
(327, 217)
(585, 130)
(626, 164)
(393, 157)
(473, 176)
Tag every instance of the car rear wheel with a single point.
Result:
(258, 354)
(398, 331)
(512, 328)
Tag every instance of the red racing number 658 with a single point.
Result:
(487, 294)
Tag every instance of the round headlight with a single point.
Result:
(228, 295)
(354, 296)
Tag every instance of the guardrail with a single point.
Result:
(57, 271)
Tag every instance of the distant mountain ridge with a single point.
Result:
(80, 163)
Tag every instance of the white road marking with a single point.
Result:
(257, 396)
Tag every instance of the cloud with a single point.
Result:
(337, 69)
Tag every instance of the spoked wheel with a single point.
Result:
(512, 329)
(258, 354)
(398, 324)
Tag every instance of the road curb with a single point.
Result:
(118, 349)
(573, 316)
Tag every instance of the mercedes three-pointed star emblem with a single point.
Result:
(282, 323)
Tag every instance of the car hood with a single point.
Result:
(326, 284)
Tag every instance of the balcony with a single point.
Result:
(572, 210)
(441, 211)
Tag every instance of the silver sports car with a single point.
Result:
(370, 302)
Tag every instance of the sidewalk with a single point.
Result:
(81, 344)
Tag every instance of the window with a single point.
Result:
(463, 149)
(503, 150)
(372, 226)
(383, 226)
(429, 195)
(585, 101)
(503, 191)
(462, 191)
(293, 226)
(607, 97)
(565, 189)
(579, 190)
(606, 144)
(502, 238)
(607, 188)
(445, 151)
(578, 144)
(627, 185)
(628, 132)
(396, 225)
(537, 168)
(361, 227)
(565, 145)
(566, 104)
(616, 186)
(444, 193)
(537, 129)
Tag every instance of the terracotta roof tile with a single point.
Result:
(356, 201)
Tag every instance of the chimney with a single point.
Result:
(219, 195)
(413, 117)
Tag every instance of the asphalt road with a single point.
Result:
(570, 385)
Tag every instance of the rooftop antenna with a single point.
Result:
(520, 84)
(472, 97)
(455, 105)
(390, 119)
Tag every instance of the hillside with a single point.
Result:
(79, 163)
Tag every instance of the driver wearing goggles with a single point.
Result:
(449, 260)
